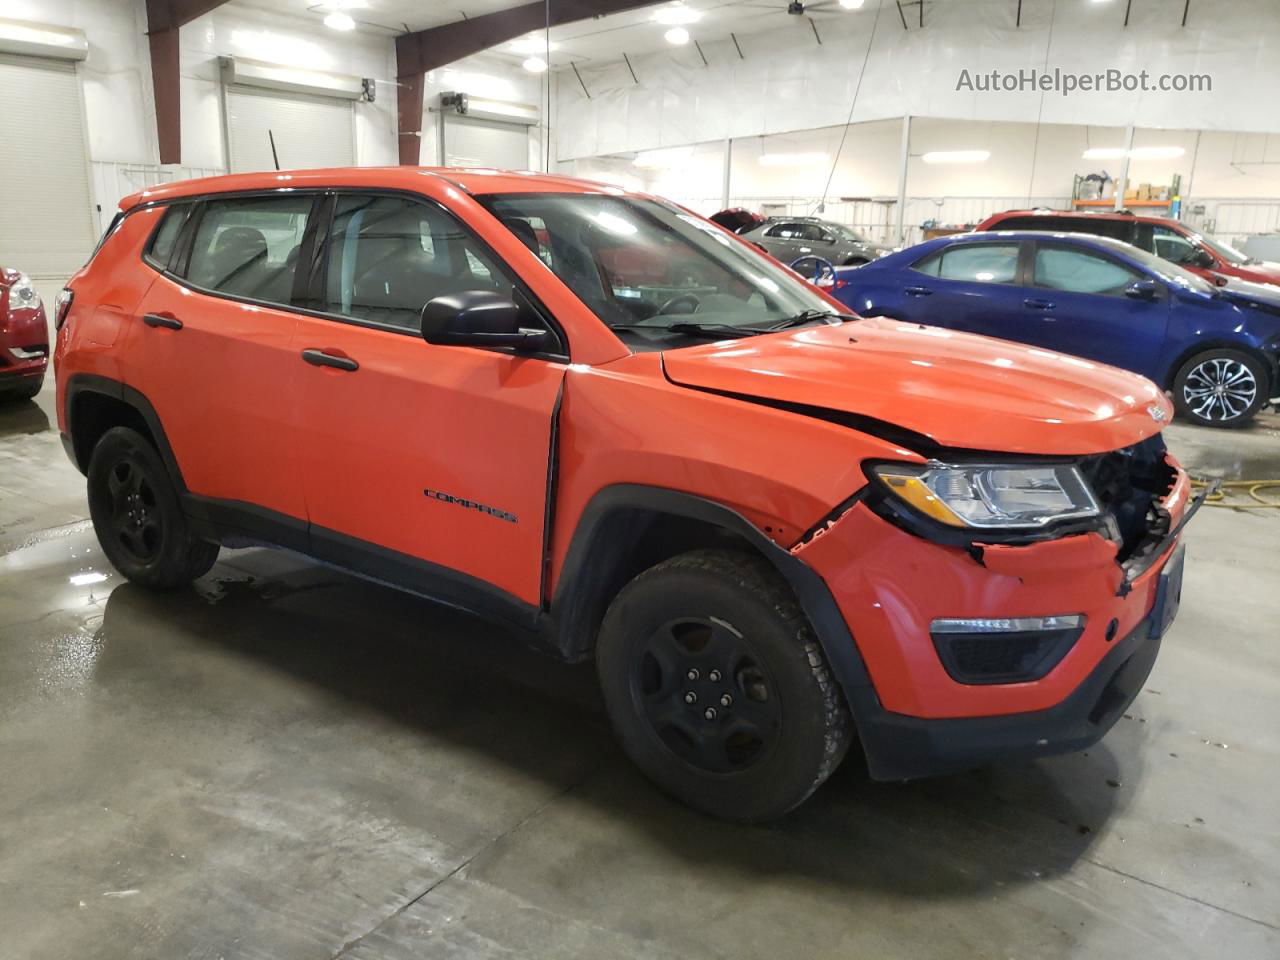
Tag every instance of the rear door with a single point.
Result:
(782, 239)
(425, 465)
(211, 345)
(1078, 305)
(967, 286)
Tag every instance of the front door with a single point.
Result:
(1078, 305)
(425, 465)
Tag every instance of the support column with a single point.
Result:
(1123, 183)
(903, 161)
(409, 94)
(166, 84)
(728, 173)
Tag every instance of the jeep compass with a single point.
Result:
(629, 435)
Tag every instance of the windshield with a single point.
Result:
(1225, 251)
(1170, 271)
(643, 266)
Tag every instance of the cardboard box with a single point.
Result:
(1144, 191)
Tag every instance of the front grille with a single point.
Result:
(980, 658)
(1129, 484)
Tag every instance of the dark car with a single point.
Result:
(24, 337)
(1167, 239)
(1214, 347)
(809, 239)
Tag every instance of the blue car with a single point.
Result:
(1215, 348)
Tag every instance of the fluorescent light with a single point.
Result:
(339, 21)
(676, 14)
(84, 579)
(1157, 153)
(531, 44)
(677, 35)
(956, 156)
(666, 157)
(535, 65)
(851, 4)
(791, 159)
(1149, 153)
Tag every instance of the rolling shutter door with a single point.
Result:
(309, 131)
(46, 215)
(473, 142)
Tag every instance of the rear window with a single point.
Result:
(249, 247)
(1097, 226)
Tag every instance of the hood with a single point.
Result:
(1249, 294)
(957, 389)
(1264, 270)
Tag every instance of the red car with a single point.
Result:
(630, 436)
(24, 337)
(1167, 239)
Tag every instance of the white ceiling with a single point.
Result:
(602, 38)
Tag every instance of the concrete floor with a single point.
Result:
(286, 762)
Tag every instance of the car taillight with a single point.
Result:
(62, 306)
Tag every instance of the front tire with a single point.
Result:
(138, 517)
(1221, 388)
(717, 687)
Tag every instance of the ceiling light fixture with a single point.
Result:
(1103, 153)
(677, 35)
(339, 21)
(533, 44)
(535, 65)
(957, 156)
(852, 4)
(676, 14)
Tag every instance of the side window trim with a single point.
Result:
(319, 282)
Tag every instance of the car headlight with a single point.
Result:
(989, 496)
(22, 295)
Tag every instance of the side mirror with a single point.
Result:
(1142, 290)
(1202, 259)
(477, 318)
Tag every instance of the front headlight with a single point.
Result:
(990, 496)
(22, 295)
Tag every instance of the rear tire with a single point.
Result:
(138, 517)
(1221, 388)
(717, 687)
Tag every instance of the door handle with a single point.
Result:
(917, 291)
(1035, 304)
(318, 358)
(162, 320)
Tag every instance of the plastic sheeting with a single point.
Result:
(787, 81)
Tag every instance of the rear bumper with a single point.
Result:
(899, 747)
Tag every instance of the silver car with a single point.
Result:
(792, 238)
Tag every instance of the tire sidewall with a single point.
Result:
(116, 444)
(794, 762)
(1256, 367)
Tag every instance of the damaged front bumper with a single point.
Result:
(914, 717)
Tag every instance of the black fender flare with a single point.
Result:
(579, 586)
(86, 383)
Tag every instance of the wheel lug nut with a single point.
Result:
(714, 676)
(709, 713)
(692, 674)
(690, 697)
(726, 700)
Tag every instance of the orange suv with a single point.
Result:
(629, 435)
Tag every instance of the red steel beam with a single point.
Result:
(164, 19)
(424, 50)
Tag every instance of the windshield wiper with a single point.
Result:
(711, 330)
(806, 316)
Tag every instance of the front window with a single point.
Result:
(1168, 271)
(643, 267)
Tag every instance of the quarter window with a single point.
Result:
(166, 237)
(249, 247)
(388, 256)
(981, 263)
(1076, 271)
